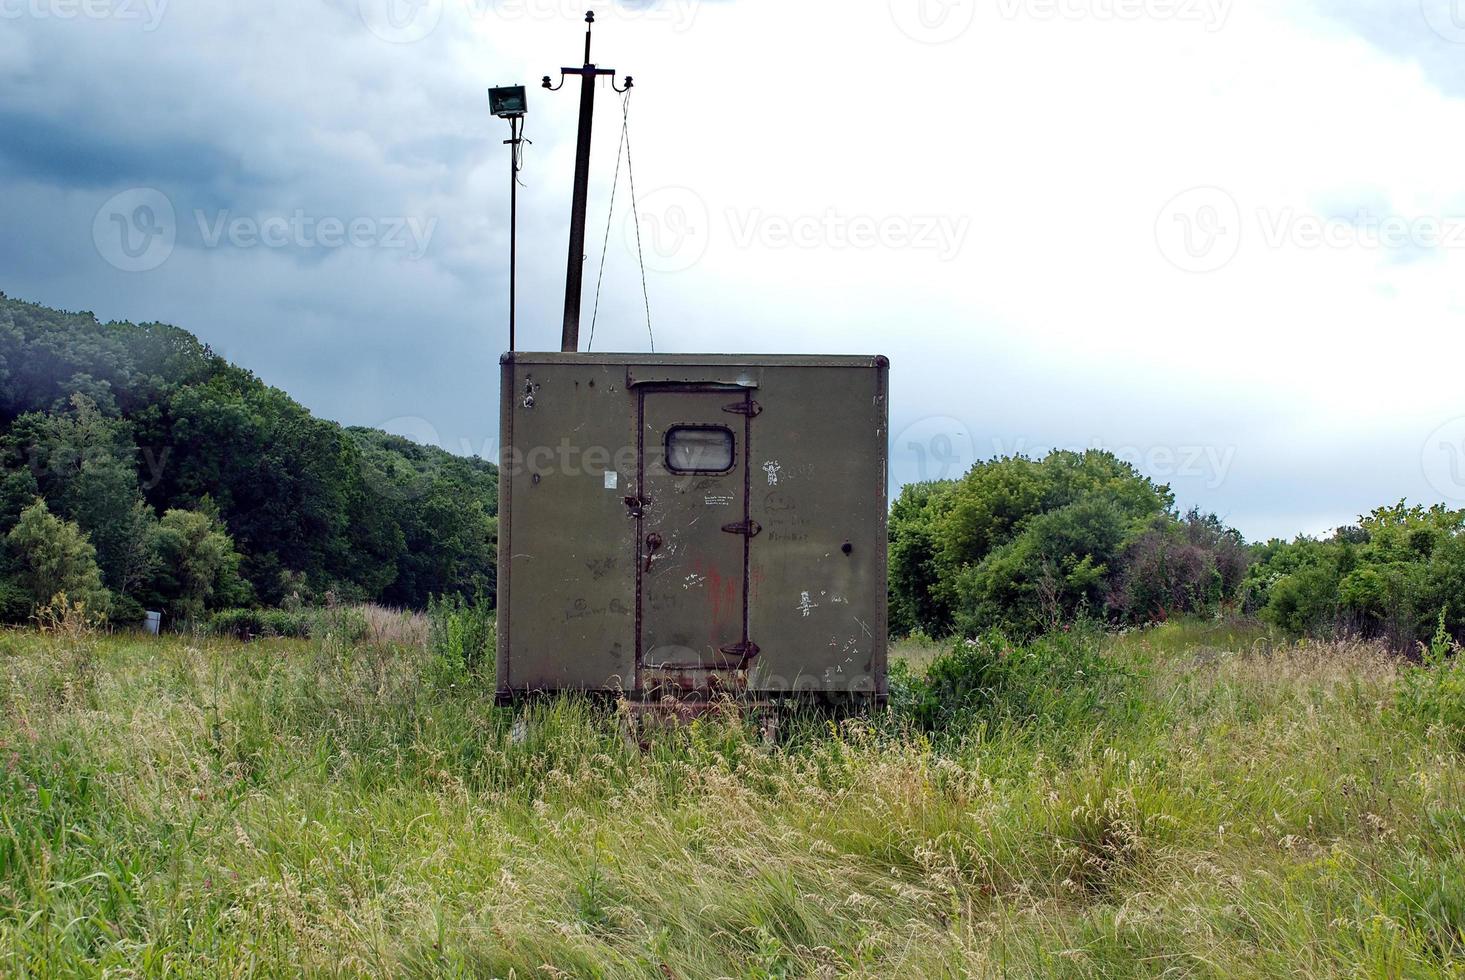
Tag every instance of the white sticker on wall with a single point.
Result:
(612, 479)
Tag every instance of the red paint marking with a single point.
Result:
(755, 579)
(723, 597)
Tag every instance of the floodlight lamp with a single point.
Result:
(508, 102)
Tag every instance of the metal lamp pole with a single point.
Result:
(508, 102)
(516, 130)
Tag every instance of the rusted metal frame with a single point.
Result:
(881, 670)
(689, 387)
(502, 584)
(639, 513)
(746, 649)
(644, 719)
(748, 646)
(666, 443)
(680, 676)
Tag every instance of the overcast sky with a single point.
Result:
(1223, 238)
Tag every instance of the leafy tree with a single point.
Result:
(1016, 543)
(18, 490)
(198, 567)
(52, 556)
(920, 594)
(82, 463)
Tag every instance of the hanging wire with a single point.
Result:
(624, 147)
(518, 139)
(636, 213)
(605, 244)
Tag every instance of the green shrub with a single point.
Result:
(126, 612)
(1059, 681)
(1194, 565)
(1304, 602)
(1386, 578)
(345, 624)
(243, 623)
(1433, 693)
(460, 635)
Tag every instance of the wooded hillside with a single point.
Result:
(193, 485)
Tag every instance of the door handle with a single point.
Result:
(653, 545)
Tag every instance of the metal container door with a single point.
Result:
(694, 536)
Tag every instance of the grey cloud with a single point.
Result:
(262, 108)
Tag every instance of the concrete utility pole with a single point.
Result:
(574, 270)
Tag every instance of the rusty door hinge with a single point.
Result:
(750, 528)
(747, 650)
(749, 408)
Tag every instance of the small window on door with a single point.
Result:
(699, 449)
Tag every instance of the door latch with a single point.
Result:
(748, 528)
(653, 545)
(749, 408)
(636, 506)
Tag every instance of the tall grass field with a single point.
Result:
(1193, 800)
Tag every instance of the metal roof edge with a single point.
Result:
(697, 360)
